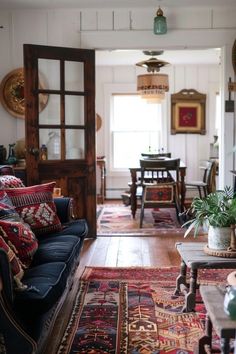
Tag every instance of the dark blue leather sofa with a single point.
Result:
(27, 317)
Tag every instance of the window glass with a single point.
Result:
(74, 76)
(75, 146)
(135, 128)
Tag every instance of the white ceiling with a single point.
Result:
(131, 57)
(111, 3)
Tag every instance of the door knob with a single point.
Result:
(34, 151)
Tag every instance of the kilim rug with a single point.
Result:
(116, 219)
(133, 310)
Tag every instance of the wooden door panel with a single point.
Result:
(66, 125)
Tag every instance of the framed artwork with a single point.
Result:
(188, 112)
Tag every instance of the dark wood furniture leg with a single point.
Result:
(225, 347)
(181, 279)
(190, 297)
(205, 341)
(133, 188)
(183, 187)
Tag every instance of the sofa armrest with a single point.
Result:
(9, 326)
(6, 277)
(64, 207)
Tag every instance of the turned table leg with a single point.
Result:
(205, 342)
(190, 297)
(181, 279)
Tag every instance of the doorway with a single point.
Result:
(116, 72)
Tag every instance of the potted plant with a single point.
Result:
(217, 212)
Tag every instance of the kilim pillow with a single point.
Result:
(15, 264)
(9, 181)
(20, 237)
(162, 193)
(36, 207)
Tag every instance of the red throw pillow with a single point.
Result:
(15, 263)
(21, 238)
(36, 207)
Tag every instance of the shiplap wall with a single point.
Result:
(126, 28)
(191, 148)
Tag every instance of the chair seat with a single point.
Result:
(195, 184)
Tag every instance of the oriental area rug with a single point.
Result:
(116, 219)
(134, 310)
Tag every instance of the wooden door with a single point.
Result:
(60, 114)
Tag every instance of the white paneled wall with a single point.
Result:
(191, 148)
(129, 28)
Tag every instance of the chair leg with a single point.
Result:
(141, 216)
(200, 192)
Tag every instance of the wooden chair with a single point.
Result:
(160, 185)
(155, 156)
(207, 185)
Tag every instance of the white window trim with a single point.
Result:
(122, 88)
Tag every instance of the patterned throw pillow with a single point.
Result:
(9, 181)
(21, 238)
(162, 193)
(15, 264)
(36, 207)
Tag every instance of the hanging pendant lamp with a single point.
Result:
(160, 26)
(152, 86)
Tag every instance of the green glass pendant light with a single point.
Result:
(160, 26)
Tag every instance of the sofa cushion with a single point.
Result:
(58, 249)
(36, 207)
(15, 263)
(21, 237)
(46, 283)
(76, 227)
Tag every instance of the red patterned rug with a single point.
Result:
(133, 310)
(116, 219)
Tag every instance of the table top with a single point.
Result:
(213, 298)
(138, 168)
(194, 257)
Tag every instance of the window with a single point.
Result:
(135, 127)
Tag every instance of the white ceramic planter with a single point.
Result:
(219, 237)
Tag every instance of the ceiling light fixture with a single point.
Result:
(160, 26)
(152, 86)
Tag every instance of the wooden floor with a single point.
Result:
(118, 251)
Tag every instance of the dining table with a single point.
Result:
(135, 174)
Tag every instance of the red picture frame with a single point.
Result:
(188, 112)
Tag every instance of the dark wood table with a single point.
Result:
(194, 258)
(213, 298)
(135, 171)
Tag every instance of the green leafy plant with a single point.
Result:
(218, 209)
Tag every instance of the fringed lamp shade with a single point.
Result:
(152, 87)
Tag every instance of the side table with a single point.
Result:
(213, 298)
(194, 258)
(101, 179)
